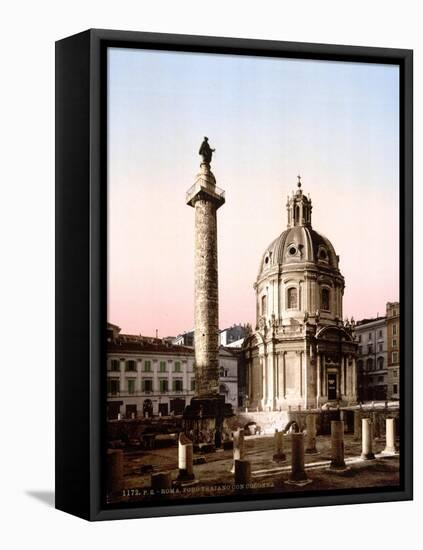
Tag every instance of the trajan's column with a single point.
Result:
(204, 416)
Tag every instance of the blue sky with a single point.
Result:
(269, 119)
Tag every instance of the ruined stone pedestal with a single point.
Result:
(204, 422)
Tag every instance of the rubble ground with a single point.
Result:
(213, 476)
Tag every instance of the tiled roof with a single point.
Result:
(119, 346)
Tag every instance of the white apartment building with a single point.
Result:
(147, 377)
(372, 359)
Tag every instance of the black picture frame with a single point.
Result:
(81, 154)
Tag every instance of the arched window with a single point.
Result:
(297, 214)
(292, 298)
(325, 299)
(380, 363)
(369, 364)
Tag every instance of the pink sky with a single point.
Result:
(340, 135)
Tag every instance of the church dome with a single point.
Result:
(299, 277)
(299, 243)
(296, 245)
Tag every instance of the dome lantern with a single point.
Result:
(299, 208)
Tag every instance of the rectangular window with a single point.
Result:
(162, 366)
(380, 334)
(130, 366)
(113, 387)
(380, 378)
(359, 337)
(380, 346)
(115, 365)
(147, 366)
(370, 336)
(395, 388)
(147, 385)
(192, 384)
(394, 357)
(164, 385)
(177, 366)
(177, 385)
(131, 386)
(395, 373)
(394, 343)
(394, 329)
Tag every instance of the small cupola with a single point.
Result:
(299, 208)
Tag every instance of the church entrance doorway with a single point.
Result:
(332, 386)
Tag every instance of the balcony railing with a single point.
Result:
(201, 185)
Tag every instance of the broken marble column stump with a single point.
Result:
(238, 448)
(367, 439)
(298, 475)
(279, 455)
(338, 449)
(185, 459)
(390, 447)
(311, 434)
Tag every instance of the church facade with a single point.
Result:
(301, 353)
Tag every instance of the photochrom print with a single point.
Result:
(253, 335)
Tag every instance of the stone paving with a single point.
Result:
(213, 477)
